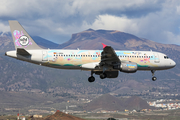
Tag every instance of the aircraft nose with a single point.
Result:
(173, 64)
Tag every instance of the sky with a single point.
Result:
(57, 20)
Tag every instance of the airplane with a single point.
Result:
(106, 63)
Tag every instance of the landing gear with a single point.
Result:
(103, 75)
(92, 78)
(153, 78)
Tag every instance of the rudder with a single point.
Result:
(20, 37)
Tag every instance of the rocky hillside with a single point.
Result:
(111, 103)
(57, 116)
(61, 116)
(105, 102)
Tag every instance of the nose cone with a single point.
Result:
(173, 64)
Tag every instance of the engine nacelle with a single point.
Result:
(128, 67)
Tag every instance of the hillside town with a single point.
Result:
(165, 104)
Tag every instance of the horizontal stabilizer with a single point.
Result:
(23, 52)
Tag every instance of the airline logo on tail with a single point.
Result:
(21, 39)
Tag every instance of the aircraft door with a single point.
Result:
(44, 56)
(156, 58)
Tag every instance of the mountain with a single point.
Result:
(105, 102)
(18, 75)
(44, 43)
(6, 42)
(110, 103)
(92, 39)
(136, 103)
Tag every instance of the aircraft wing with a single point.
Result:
(108, 56)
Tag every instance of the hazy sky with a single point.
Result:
(57, 20)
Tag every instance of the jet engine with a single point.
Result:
(127, 67)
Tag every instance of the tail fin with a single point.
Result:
(21, 38)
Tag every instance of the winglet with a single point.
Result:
(103, 45)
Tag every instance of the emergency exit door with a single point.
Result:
(44, 56)
(156, 58)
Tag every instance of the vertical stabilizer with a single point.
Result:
(20, 37)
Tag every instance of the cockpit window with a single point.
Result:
(166, 57)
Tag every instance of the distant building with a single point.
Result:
(22, 118)
(126, 110)
(37, 116)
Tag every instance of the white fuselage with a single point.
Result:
(88, 59)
